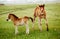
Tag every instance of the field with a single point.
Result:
(7, 28)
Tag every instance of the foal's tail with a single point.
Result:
(31, 18)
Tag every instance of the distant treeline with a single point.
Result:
(1, 4)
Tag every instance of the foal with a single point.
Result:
(19, 21)
(40, 13)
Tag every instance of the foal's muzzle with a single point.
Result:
(6, 19)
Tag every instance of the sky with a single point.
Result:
(26, 1)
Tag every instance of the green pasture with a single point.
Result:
(53, 16)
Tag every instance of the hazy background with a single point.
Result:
(28, 1)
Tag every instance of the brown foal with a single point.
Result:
(40, 13)
(19, 21)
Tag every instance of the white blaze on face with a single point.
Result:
(41, 8)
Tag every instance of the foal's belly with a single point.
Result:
(20, 23)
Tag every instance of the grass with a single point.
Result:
(53, 16)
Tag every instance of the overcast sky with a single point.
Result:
(26, 1)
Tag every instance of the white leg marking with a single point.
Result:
(39, 23)
(16, 29)
(27, 28)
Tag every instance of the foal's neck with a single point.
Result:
(14, 18)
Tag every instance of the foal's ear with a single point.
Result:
(37, 5)
(43, 4)
(9, 13)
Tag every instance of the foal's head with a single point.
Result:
(11, 17)
(42, 7)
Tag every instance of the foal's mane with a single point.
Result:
(13, 15)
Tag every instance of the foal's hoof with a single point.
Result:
(47, 29)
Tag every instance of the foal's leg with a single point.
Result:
(16, 29)
(40, 24)
(46, 24)
(27, 28)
